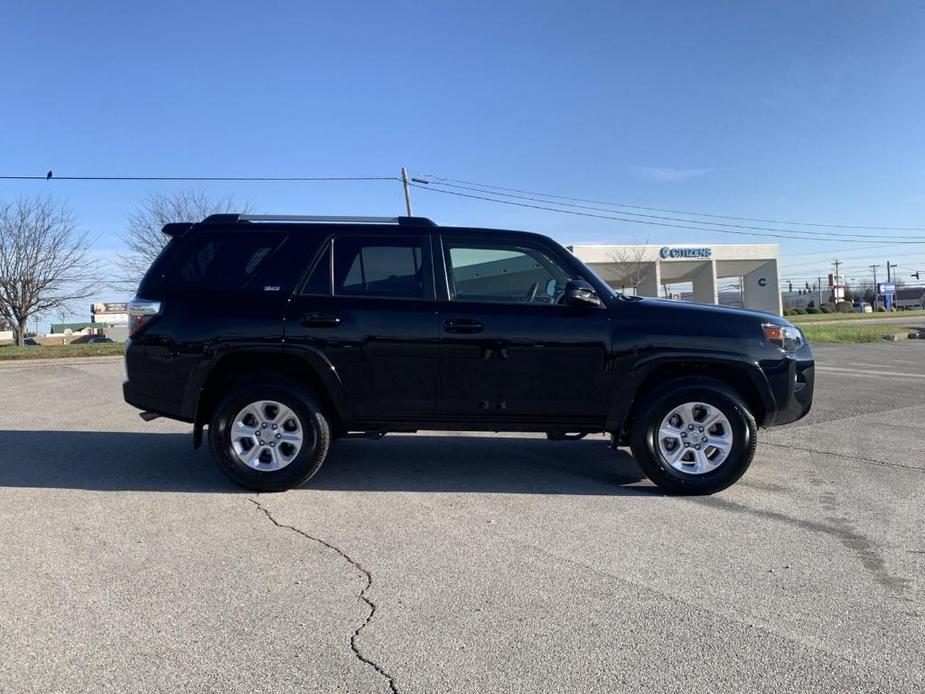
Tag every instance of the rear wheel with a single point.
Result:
(269, 435)
(694, 437)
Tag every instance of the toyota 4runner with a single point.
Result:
(281, 334)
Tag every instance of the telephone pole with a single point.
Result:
(835, 281)
(873, 269)
(889, 268)
(407, 187)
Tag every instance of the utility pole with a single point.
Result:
(889, 268)
(407, 187)
(835, 282)
(873, 269)
(819, 285)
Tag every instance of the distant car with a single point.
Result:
(861, 307)
(30, 342)
(97, 339)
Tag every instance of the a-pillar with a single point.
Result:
(761, 289)
(704, 284)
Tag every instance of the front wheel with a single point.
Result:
(694, 437)
(269, 436)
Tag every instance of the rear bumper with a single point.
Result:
(792, 383)
(146, 403)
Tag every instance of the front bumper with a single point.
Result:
(792, 381)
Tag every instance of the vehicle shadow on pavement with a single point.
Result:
(125, 461)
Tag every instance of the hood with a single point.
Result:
(667, 308)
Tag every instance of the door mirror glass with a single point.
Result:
(580, 293)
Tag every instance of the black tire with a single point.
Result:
(643, 439)
(313, 421)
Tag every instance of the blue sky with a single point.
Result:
(802, 110)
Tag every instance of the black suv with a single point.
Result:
(281, 334)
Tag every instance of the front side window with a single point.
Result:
(379, 267)
(503, 272)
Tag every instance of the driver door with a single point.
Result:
(508, 349)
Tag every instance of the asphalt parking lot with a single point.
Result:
(451, 563)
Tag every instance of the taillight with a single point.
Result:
(140, 311)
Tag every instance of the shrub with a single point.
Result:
(788, 312)
(844, 307)
(881, 309)
(814, 310)
(798, 312)
(827, 308)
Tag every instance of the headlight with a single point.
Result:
(786, 337)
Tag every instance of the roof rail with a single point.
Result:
(233, 218)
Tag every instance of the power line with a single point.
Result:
(642, 221)
(671, 211)
(51, 177)
(799, 232)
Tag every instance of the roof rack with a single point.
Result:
(232, 218)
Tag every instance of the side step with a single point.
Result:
(148, 416)
(375, 434)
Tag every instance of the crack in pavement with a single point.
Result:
(362, 596)
(846, 456)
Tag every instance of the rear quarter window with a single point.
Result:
(220, 261)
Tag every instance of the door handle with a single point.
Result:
(319, 320)
(465, 326)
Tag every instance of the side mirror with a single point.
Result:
(580, 293)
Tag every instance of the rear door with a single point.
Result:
(368, 305)
(508, 348)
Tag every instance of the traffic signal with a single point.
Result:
(916, 274)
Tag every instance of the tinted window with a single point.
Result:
(511, 273)
(223, 261)
(374, 266)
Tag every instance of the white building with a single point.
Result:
(649, 268)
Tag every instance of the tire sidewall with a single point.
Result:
(303, 466)
(645, 444)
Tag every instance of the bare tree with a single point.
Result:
(45, 263)
(633, 266)
(143, 235)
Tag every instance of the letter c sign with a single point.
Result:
(762, 282)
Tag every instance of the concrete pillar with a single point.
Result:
(761, 289)
(705, 284)
(651, 281)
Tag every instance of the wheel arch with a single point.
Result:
(743, 378)
(307, 367)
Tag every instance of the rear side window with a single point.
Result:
(379, 267)
(223, 261)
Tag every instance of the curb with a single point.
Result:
(11, 363)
